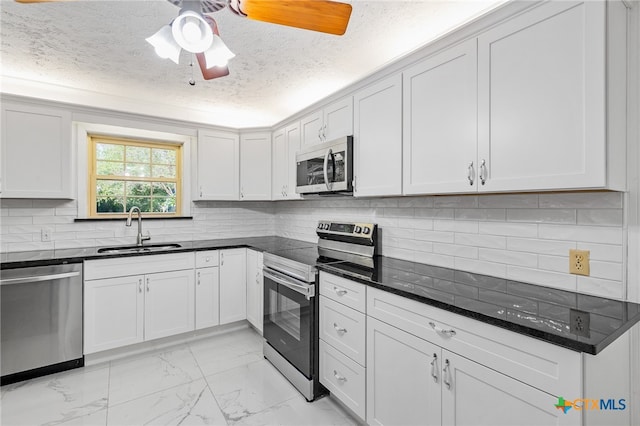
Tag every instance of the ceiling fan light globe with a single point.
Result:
(218, 55)
(164, 44)
(192, 32)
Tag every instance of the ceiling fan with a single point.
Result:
(197, 32)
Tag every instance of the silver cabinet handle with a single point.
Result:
(200, 191)
(442, 331)
(324, 132)
(339, 377)
(140, 285)
(147, 285)
(198, 277)
(470, 173)
(339, 291)
(325, 169)
(221, 258)
(446, 374)
(434, 368)
(355, 187)
(339, 329)
(320, 133)
(483, 172)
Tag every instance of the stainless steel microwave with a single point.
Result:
(325, 168)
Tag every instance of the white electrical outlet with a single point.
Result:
(45, 234)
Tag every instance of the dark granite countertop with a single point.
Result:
(48, 257)
(536, 311)
(533, 310)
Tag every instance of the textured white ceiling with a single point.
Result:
(97, 50)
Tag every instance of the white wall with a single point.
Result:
(524, 237)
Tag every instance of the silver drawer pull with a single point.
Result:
(442, 331)
(339, 377)
(339, 329)
(339, 291)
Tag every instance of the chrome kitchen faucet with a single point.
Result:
(140, 238)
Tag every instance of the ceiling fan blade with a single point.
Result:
(316, 15)
(213, 72)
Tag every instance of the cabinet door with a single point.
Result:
(113, 313)
(542, 102)
(255, 166)
(401, 389)
(279, 170)
(169, 304)
(218, 159)
(293, 146)
(207, 303)
(377, 133)
(254, 289)
(36, 152)
(475, 394)
(338, 119)
(440, 122)
(233, 285)
(311, 129)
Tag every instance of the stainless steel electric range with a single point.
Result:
(291, 303)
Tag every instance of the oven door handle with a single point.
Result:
(39, 278)
(308, 290)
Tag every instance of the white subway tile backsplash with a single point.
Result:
(434, 259)
(595, 234)
(413, 223)
(457, 201)
(434, 236)
(606, 270)
(469, 227)
(508, 229)
(481, 267)
(434, 213)
(582, 200)
(53, 220)
(456, 250)
(542, 215)
(508, 201)
(396, 212)
(67, 212)
(16, 238)
(480, 214)
(31, 212)
(54, 204)
(4, 212)
(554, 263)
(533, 245)
(415, 202)
(17, 220)
(59, 236)
(508, 257)
(478, 240)
(30, 246)
(601, 217)
(605, 252)
(600, 287)
(16, 203)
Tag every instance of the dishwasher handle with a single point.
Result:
(39, 278)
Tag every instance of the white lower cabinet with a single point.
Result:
(255, 287)
(411, 381)
(342, 332)
(233, 285)
(129, 301)
(113, 313)
(207, 289)
(168, 304)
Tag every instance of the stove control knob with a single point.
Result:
(326, 226)
(319, 226)
(366, 230)
(358, 230)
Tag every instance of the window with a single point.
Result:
(126, 173)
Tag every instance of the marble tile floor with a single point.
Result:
(222, 380)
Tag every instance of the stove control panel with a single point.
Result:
(363, 230)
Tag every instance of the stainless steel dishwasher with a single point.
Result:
(41, 321)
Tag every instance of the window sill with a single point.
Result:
(103, 219)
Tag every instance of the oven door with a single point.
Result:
(288, 318)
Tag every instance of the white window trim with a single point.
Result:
(83, 130)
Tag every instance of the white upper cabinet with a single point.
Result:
(545, 93)
(333, 121)
(218, 163)
(255, 166)
(377, 138)
(440, 135)
(286, 143)
(36, 157)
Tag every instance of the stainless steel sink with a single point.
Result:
(139, 249)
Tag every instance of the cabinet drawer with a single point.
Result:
(548, 367)
(349, 293)
(344, 378)
(343, 328)
(135, 265)
(205, 259)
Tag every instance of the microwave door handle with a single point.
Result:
(325, 169)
